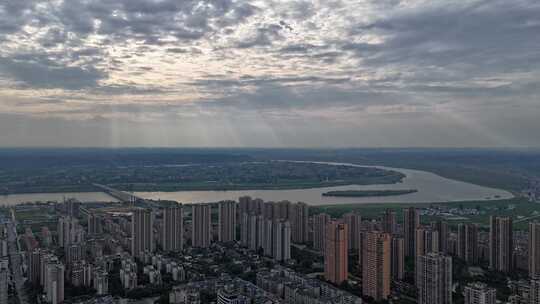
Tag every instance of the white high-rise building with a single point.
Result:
(69, 231)
(298, 216)
(281, 240)
(267, 237)
(94, 224)
(434, 279)
(54, 282)
(353, 221)
(534, 291)
(142, 239)
(201, 228)
(4, 279)
(173, 229)
(101, 282)
(479, 293)
(534, 249)
(319, 231)
(227, 221)
(501, 243)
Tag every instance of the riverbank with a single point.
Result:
(368, 193)
(431, 188)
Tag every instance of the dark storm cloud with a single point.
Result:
(344, 60)
(265, 35)
(150, 20)
(54, 37)
(144, 20)
(41, 72)
(481, 37)
(247, 80)
(326, 54)
(191, 51)
(297, 48)
(14, 14)
(299, 93)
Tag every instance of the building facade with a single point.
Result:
(227, 221)
(534, 249)
(354, 222)
(398, 258)
(500, 244)
(319, 231)
(173, 228)
(299, 222)
(479, 293)
(201, 228)
(142, 225)
(376, 272)
(336, 252)
(389, 224)
(434, 279)
(467, 243)
(411, 221)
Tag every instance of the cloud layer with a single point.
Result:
(269, 73)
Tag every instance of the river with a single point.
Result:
(431, 188)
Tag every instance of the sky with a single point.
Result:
(227, 73)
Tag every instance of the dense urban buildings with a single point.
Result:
(248, 205)
(336, 252)
(266, 256)
(142, 235)
(376, 269)
(271, 226)
(501, 244)
(434, 279)
(295, 288)
(173, 228)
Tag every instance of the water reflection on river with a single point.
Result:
(431, 188)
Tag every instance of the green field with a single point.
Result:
(35, 215)
(222, 176)
(521, 210)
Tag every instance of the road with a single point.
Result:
(15, 263)
(527, 218)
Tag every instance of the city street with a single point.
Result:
(15, 263)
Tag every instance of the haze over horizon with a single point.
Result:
(226, 73)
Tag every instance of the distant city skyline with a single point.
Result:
(254, 73)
